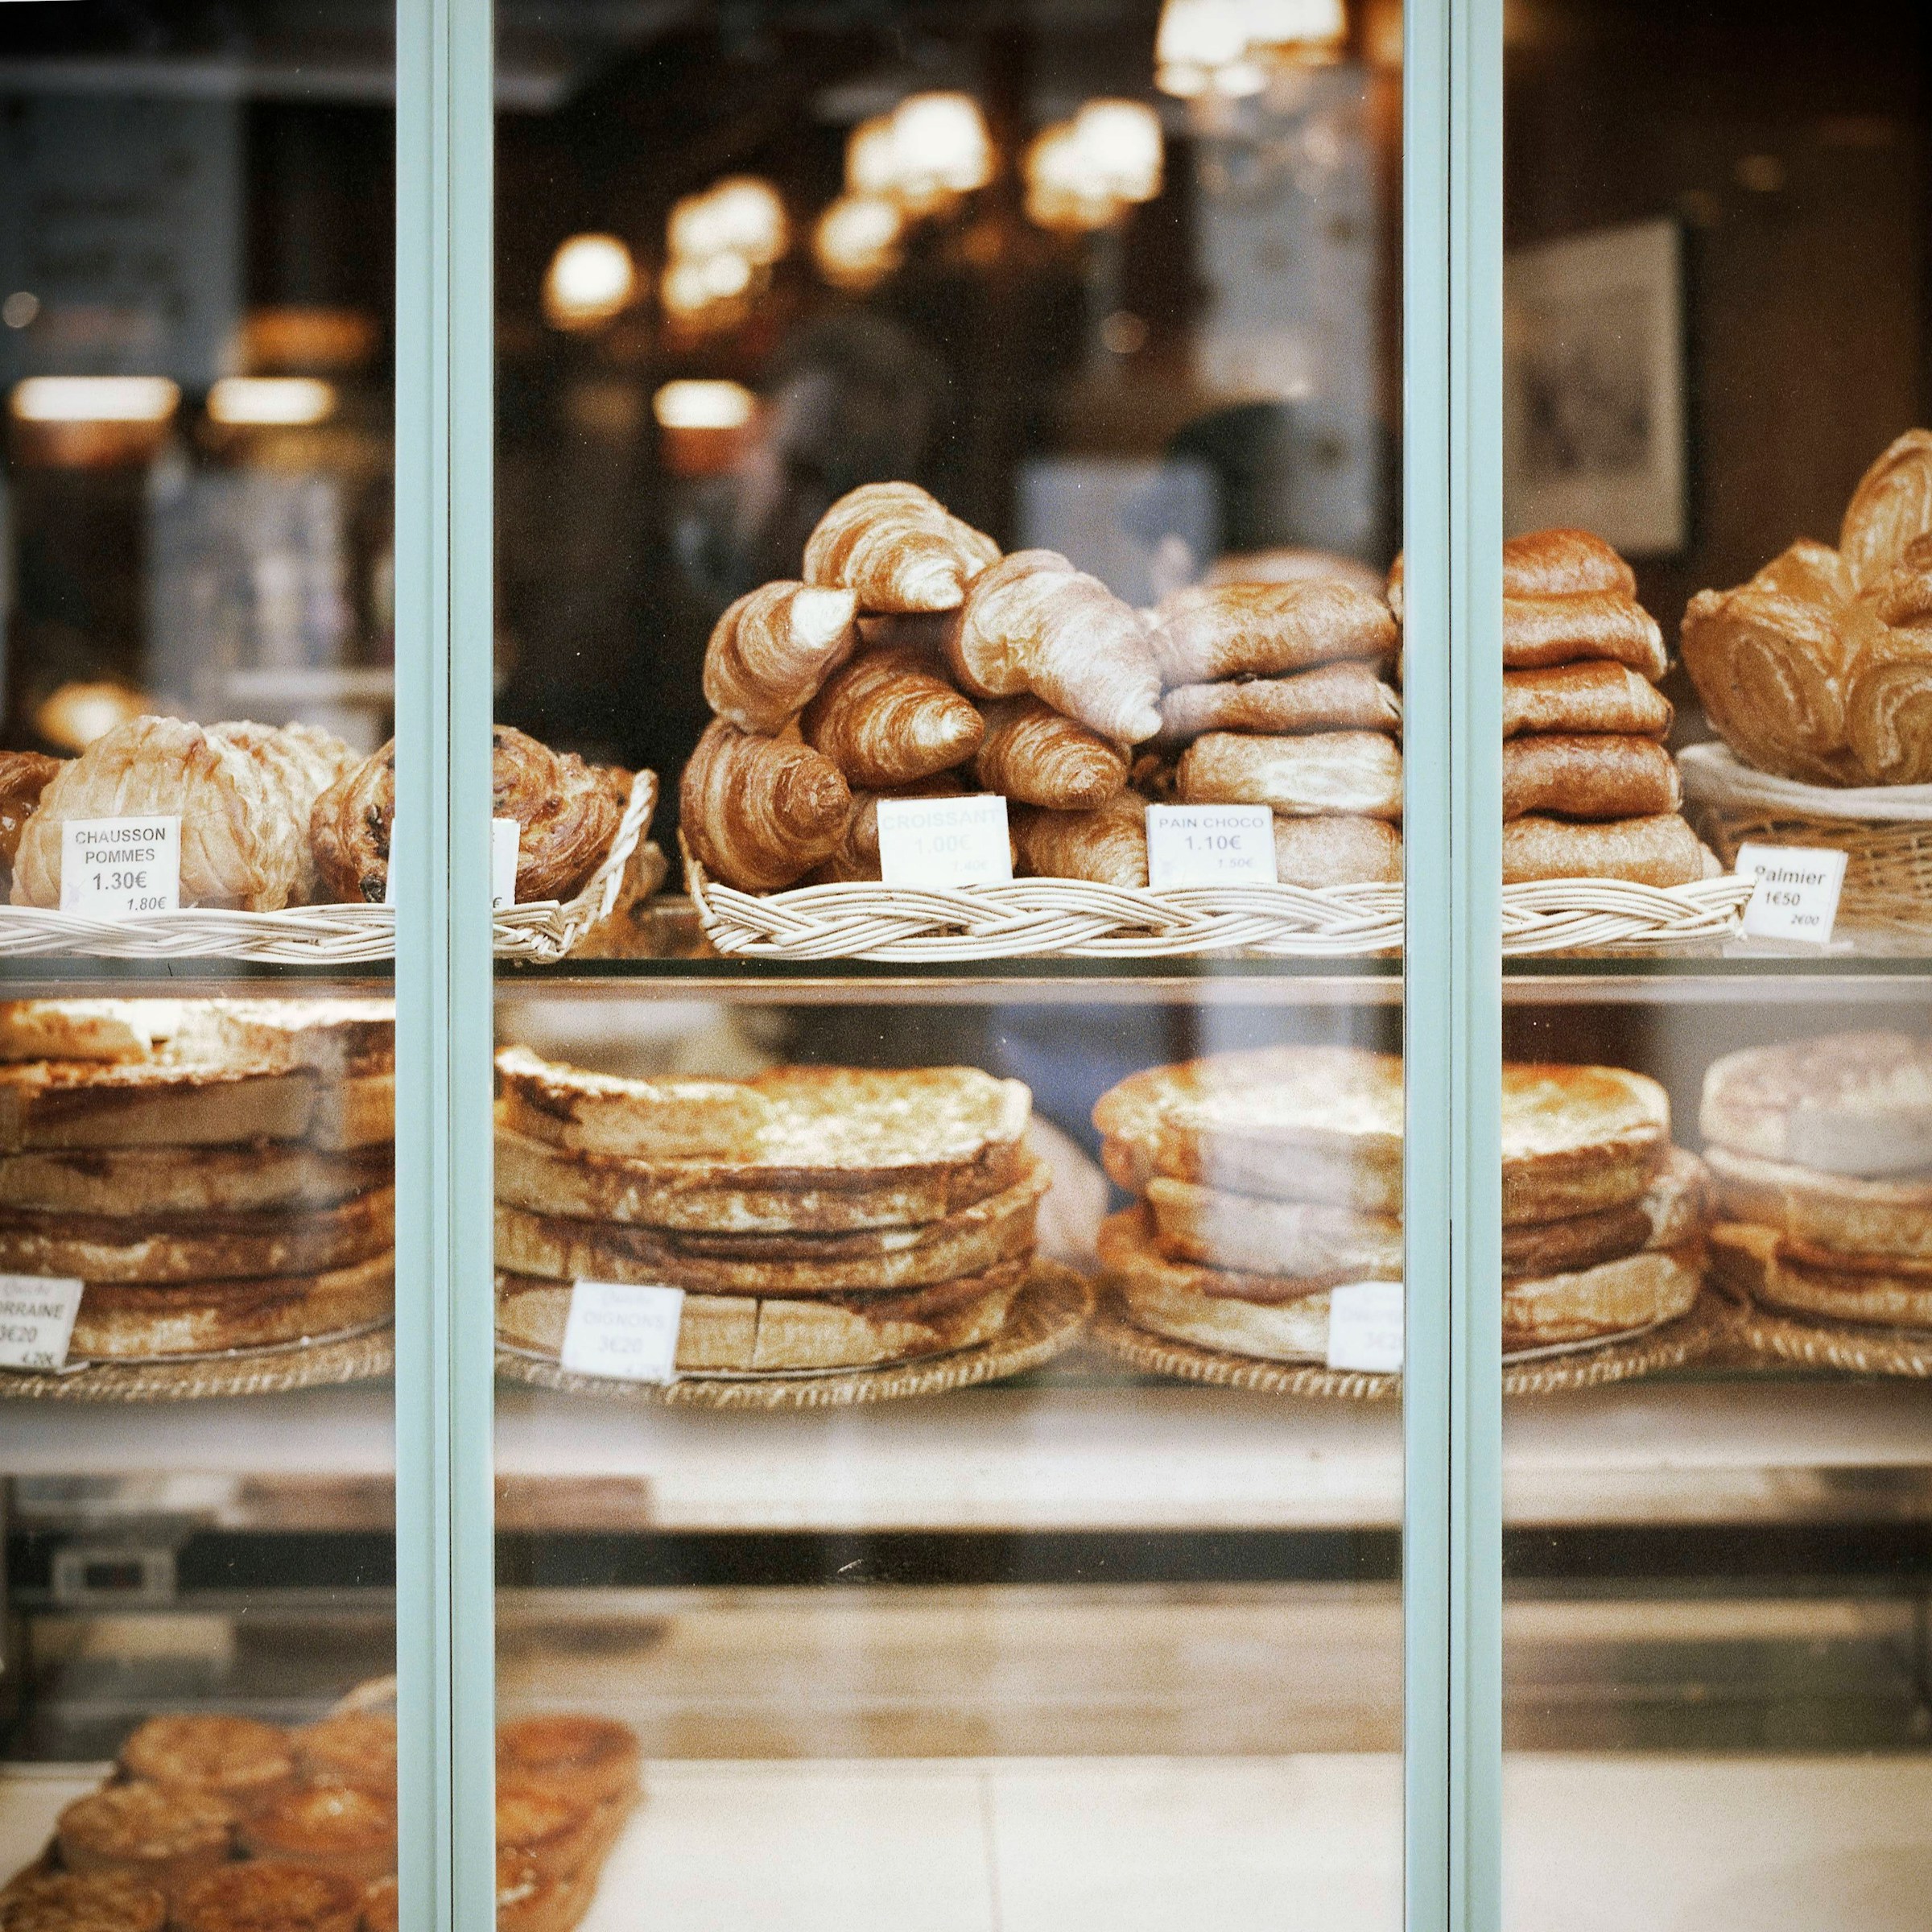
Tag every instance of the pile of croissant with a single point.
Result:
(913, 660)
(1820, 668)
(280, 815)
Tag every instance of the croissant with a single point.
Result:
(884, 719)
(1347, 695)
(1892, 506)
(1034, 756)
(857, 854)
(772, 650)
(1336, 851)
(761, 812)
(1355, 772)
(1033, 623)
(1225, 630)
(898, 548)
(242, 843)
(1595, 696)
(1107, 846)
(1594, 776)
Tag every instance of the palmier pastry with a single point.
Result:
(898, 548)
(269, 1896)
(884, 719)
(774, 648)
(1891, 508)
(328, 1828)
(241, 844)
(1035, 757)
(165, 1837)
(358, 1747)
(23, 776)
(761, 812)
(81, 1901)
(1033, 623)
(1226, 631)
(587, 1760)
(246, 1762)
(1107, 846)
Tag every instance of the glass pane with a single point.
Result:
(1716, 1705)
(197, 1162)
(917, 1597)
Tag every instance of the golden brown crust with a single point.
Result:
(335, 1828)
(1033, 755)
(1579, 1139)
(1672, 1213)
(1561, 563)
(166, 1837)
(1594, 696)
(1591, 777)
(584, 1759)
(257, 1178)
(1889, 707)
(992, 1230)
(558, 1836)
(1033, 624)
(1546, 630)
(81, 1901)
(1336, 849)
(772, 649)
(1890, 509)
(1225, 630)
(1756, 1261)
(1347, 695)
(1614, 1297)
(898, 548)
(269, 1896)
(761, 812)
(1855, 1103)
(1662, 850)
(884, 719)
(300, 763)
(128, 1321)
(565, 810)
(23, 776)
(356, 1747)
(1828, 1216)
(348, 830)
(237, 1758)
(1320, 774)
(1108, 846)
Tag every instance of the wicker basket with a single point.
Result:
(337, 935)
(1076, 919)
(1885, 832)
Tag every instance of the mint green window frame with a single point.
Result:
(1452, 521)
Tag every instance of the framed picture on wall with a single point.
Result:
(1594, 419)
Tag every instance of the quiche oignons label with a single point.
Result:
(120, 868)
(944, 842)
(37, 1320)
(623, 1332)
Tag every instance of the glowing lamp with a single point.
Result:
(95, 399)
(856, 242)
(703, 405)
(590, 279)
(271, 401)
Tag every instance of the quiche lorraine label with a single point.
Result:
(624, 1332)
(116, 868)
(1210, 845)
(1365, 1327)
(944, 842)
(37, 1320)
(1796, 894)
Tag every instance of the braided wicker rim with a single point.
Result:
(327, 935)
(362, 1355)
(1075, 918)
(1847, 1346)
(1672, 1345)
(1045, 1316)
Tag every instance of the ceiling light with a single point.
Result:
(1230, 47)
(590, 279)
(941, 144)
(856, 242)
(270, 401)
(703, 405)
(95, 399)
(1120, 142)
(871, 157)
(1062, 191)
(749, 219)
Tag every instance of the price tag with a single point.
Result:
(1365, 1327)
(1796, 895)
(1209, 845)
(505, 836)
(944, 841)
(623, 1331)
(37, 1319)
(114, 867)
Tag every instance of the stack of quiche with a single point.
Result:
(1266, 1178)
(1822, 1150)
(817, 1218)
(219, 1173)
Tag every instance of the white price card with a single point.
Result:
(623, 1331)
(505, 835)
(944, 842)
(115, 867)
(1796, 895)
(1210, 845)
(1365, 1327)
(37, 1320)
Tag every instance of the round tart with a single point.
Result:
(269, 1897)
(587, 1759)
(246, 1762)
(328, 1828)
(559, 1835)
(166, 1837)
(357, 1748)
(81, 1901)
